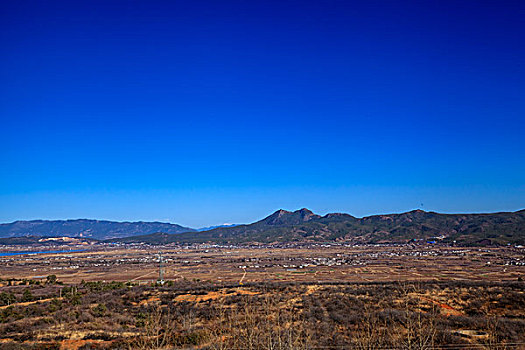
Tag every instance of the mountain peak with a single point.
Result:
(284, 217)
(339, 216)
(306, 214)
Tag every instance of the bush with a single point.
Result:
(99, 311)
(27, 296)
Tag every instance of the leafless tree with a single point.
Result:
(159, 327)
(371, 333)
(417, 329)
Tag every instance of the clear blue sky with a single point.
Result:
(205, 112)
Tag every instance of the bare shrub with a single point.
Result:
(158, 330)
(418, 329)
(259, 324)
(372, 332)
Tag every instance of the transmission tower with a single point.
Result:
(161, 269)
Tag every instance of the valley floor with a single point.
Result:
(269, 264)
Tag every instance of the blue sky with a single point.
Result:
(206, 112)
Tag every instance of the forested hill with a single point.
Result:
(304, 226)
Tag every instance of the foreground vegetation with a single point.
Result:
(197, 314)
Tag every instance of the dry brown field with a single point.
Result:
(313, 264)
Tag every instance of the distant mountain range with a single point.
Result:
(305, 226)
(217, 226)
(97, 229)
(285, 226)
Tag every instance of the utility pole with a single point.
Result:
(161, 269)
